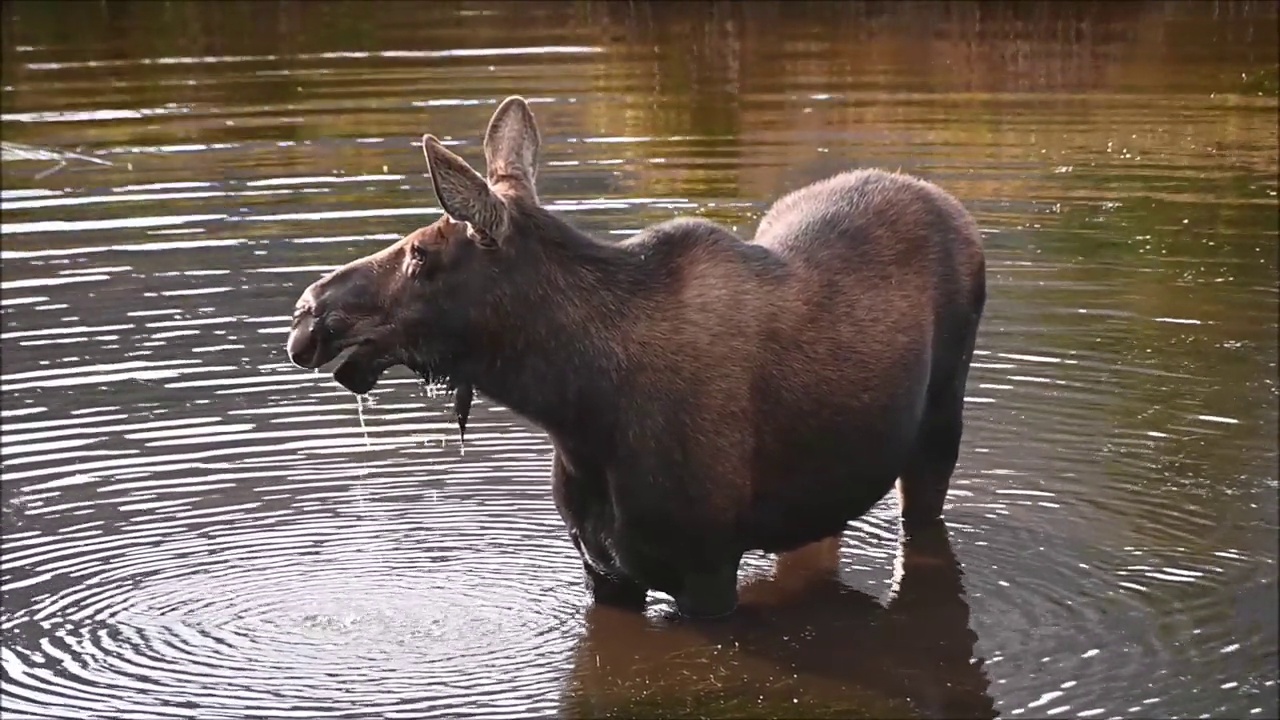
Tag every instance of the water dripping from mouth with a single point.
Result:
(368, 446)
(364, 429)
(430, 391)
(463, 396)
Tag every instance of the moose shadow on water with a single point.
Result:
(803, 644)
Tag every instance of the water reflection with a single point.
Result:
(805, 644)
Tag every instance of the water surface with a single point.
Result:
(192, 527)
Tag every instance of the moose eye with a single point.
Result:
(418, 253)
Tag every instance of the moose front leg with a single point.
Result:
(612, 590)
(609, 588)
(581, 500)
(709, 592)
(709, 595)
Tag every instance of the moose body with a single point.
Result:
(705, 395)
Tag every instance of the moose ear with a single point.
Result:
(462, 192)
(511, 143)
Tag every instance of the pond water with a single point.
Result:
(193, 527)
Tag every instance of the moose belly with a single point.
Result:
(812, 485)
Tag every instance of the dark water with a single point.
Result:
(195, 528)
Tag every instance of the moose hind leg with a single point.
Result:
(923, 484)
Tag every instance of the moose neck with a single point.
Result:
(559, 354)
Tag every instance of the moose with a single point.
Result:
(704, 395)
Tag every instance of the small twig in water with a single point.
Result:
(19, 151)
(46, 173)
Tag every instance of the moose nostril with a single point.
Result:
(302, 341)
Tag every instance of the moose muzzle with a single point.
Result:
(304, 342)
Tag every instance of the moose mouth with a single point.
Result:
(360, 363)
(360, 368)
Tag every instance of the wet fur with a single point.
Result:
(706, 395)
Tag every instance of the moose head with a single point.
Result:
(433, 300)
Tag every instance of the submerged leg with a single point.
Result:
(584, 509)
(923, 484)
(614, 591)
(709, 593)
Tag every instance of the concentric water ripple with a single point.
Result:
(390, 598)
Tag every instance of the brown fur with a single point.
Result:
(704, 395)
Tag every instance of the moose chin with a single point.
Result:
(705, 395)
